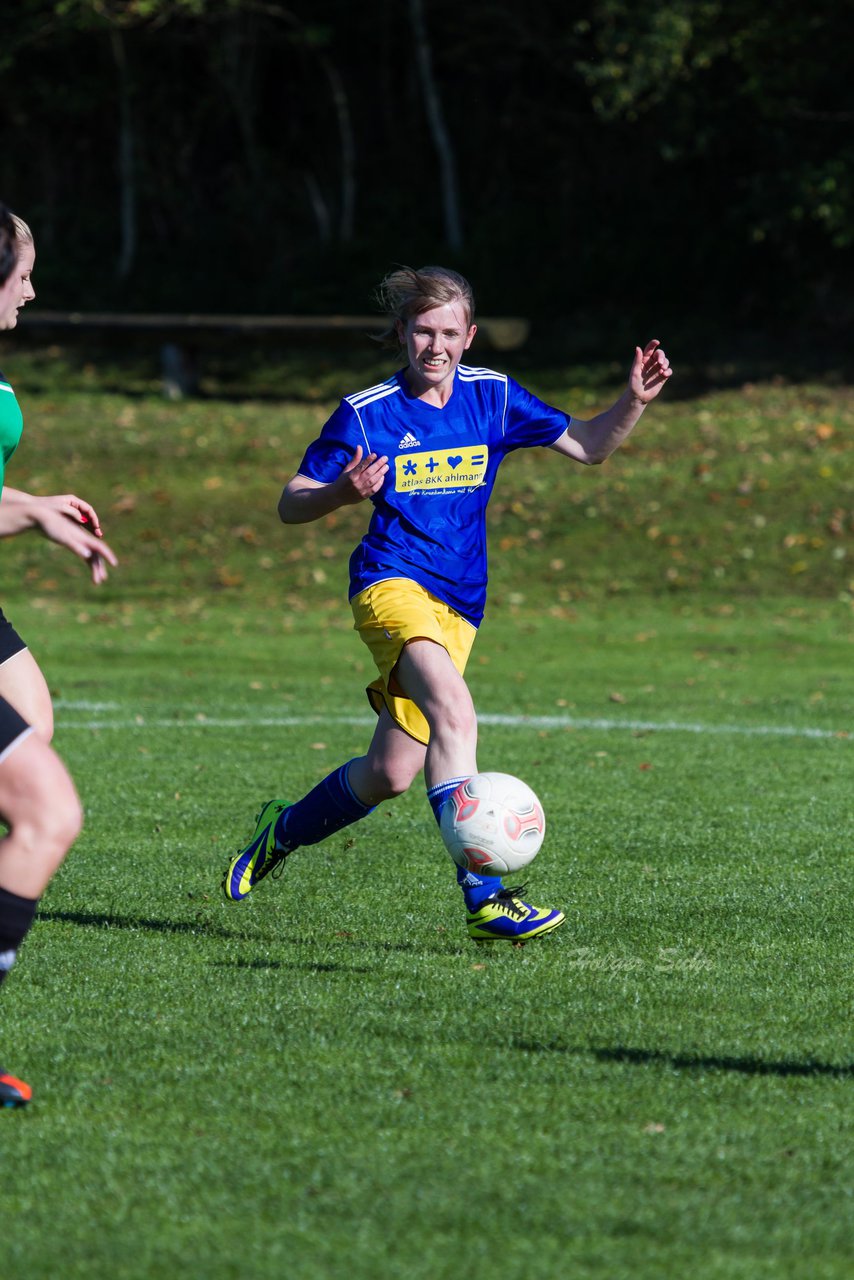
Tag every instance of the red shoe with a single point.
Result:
(13, 1092)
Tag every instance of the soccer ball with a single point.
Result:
(493, 823)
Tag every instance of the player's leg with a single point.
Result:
(386, 616)
(427, 674)
(23, 685)
(394, 760)
(391, 764)
(421, 648)
(39, 805)
(346, 795)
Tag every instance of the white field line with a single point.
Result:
(202, 721)
(63, 704)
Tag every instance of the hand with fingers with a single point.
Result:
(64, 527)
(362, 477)
(76, 509)
(650, 370)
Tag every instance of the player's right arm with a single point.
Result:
(304, 499)
(60, 521)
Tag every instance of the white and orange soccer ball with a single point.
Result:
(493, 824)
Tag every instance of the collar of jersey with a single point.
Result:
(424, 404)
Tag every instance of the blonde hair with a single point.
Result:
(23, 234)
(8, 244)
(406, 292)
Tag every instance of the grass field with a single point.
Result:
(329, 1080)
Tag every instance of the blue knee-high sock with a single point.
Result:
(332, 805)
(476, 889)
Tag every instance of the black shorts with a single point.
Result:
(12, 727)
(10, 642)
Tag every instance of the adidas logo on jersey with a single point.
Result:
(409, 442)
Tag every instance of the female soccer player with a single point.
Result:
(63, 518)
(38, 802)
(425, 447)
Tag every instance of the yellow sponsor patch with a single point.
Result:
(444, 469)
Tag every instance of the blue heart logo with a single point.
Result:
(453, 463)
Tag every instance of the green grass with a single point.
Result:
(329, 1080)
(733, 493)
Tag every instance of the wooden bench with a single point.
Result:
(182, 335)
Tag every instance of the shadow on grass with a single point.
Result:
(103, 920)
(315, 967)
(100, 920)
(694, 1062)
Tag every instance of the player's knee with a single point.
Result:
(44, 837)
(71, 823)
(453, 717)
(55, 809)
(375, 779)
(398, 782)
(393, 779)
(43, 724)
(60, 825)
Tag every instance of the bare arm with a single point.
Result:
(68, 503)
(59, 519)
(304, 499)
(593, 441)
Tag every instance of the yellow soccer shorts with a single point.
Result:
(387, 616)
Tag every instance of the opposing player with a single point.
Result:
(63, 518)
(38, 802)
(424, 447)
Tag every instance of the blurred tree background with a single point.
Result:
(597, 162)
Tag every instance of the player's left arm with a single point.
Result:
(594, 440)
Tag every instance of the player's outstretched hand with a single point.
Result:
(650, 371)
(66, 530)
(362, 477)
(76, 509)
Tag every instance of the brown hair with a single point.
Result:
(406, 292)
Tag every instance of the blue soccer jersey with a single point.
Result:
(429, 520)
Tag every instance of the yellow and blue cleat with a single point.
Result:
(507, 918)
(261, 856)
